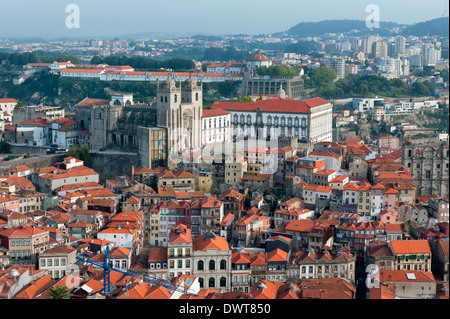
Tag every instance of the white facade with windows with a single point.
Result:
(215, 126)
(309, 120)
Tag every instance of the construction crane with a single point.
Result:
(151, 278)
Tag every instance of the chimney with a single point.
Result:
(132, 174)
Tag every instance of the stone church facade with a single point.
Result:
(180, 111)
(429, 166)
(121, 124)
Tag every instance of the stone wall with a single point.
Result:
(111, 165)
(35, 162)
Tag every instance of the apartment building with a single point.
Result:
(179, 252)
(56, 260)
(24, 243)
(411, 255)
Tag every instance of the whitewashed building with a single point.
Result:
(308, 120)
(216, 126)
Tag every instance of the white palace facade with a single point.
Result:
(309, 120)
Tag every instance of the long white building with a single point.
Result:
(215, 126)
(308, 120)
(105, 74)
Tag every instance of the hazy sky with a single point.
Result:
(47, 18)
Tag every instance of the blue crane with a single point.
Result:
(151, 278)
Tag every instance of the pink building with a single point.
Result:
(388, 217)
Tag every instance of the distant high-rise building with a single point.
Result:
(379, 50)
(392, 50)
(338, 64)
(444, 53)
(367, 44)
(400, 44)
(351, 69)
(431, 55)
(416, 61)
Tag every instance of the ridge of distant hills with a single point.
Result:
(438, 26)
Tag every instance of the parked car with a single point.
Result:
(102, 149)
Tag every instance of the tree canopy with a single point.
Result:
(81, 154)
(146, 63)
(279, 70)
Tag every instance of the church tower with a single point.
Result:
(180, 110)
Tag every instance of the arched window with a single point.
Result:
(200, 265)
(212, 265)
(223, 282)
(165, 99)
(117, 102)
(196, 96)
(409, 153)
(175, 98)
(200, 281)
(223, 264)
(128, 102)
(211, 282)
(162, 99)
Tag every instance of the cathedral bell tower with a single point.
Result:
(180, 110)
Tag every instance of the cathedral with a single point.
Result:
(159, 132)
(429, 165)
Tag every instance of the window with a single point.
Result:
(211, 282)
(223, 282)
(223, 264)
(42, 262)
(212, 265)
(49, 262)
(200, 265)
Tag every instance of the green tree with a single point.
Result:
(81, 154)
(96, 60)
(59, 292)
(322, 75)
(245, 99)
(5, 147)
(420, 88)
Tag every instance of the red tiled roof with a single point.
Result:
(214, 112)
(275, 104)
(410, 247)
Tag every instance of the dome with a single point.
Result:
(281, 93)
(259, 57)
(190, 82)
(168, 83)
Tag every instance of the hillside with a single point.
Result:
(310, 29)
(437, 26)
